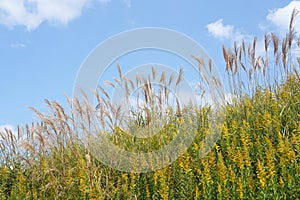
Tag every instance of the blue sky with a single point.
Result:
(44, 42)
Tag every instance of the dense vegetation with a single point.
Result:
(257, 156)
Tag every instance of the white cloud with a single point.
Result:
(228, 32)
(18, 45)
(280, 17)
(31, 13)
(219, 30)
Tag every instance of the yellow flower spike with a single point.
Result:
(119, 183)
(196, 147)
(240, 188)
(217, 147)
(267, 120)
(4, 171)
(82, 185)
(147, 192)
(21, 180)
(222, 169)
(197, 192)
(155, 177)
(270, 164)
(249, 104)
(69, 177)
(231, 174)
(296, 137)
(232, 153)
(174, 133)
(164, 188)
(281, 182)
(247, 159)
(269, 158)
(240, 160)
(125, 178)
(245, 123)
(132, 181)
(206, 171)
(248, 113)
(219, 188)
(225, 132)
(251, 183)
(261, 174)
(245, 151)
(290, 153)
(280, 143)
(234, 125)
(289, 179)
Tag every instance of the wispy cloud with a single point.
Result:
(32, 13)
(18, 45)
(128, 3)
(131, 23)
(104, 1)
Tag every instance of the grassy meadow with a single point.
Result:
(257, 156)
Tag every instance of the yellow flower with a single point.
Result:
(147, 192)
(197, 195)
(206, 171)
(217, 148)
(232, 153)
(289, 151)
(125, 178)
(82, 185)
(251, 184)
(4, 171)
(225, 131)
(240, 188)
(281, 181)
(296, 138)
(280, 143)
(184, 161)
(164, 188)
(155, 176)
(245, 123)
(266, 119)
(231, 174)
(249, 104)
(269, 158)
(245, 151)
(240, 160)
(234, 125)
(222, 170)
(132, 181)
(219, 188)
(261, 174)
(119, 184)
(196, 147)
